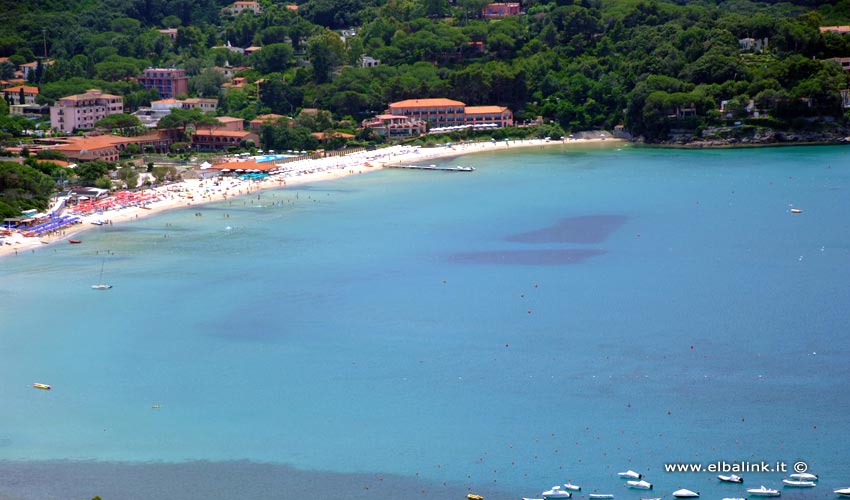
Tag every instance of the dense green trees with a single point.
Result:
(582, 63)
(21, 188)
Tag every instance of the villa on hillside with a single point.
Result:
(841, 30)
(21, 94)
(497, 10)
(237, 8)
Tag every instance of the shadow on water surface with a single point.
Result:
(582, 229)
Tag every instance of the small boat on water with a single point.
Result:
(460, 168)
(39, 385)
(803, 476)
(798, 483)
(630, 474)
(843, 492)
(730, 479)
(763, 491)
(685, 493)
(734, 499)
(75, 242)
(656, 498)
(555, 492)
(639, 485)
(101, 286)
(796, 211)
(572, 487)
(473, 496)
(600, 496)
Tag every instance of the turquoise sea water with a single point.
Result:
(561, 314)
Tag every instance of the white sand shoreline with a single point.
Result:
(196, 192)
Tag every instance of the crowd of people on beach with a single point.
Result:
(131, 204)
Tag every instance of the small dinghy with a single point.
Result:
(639, 485)
(730, 479)
(684, 493)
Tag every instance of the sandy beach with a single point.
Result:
(195, 192)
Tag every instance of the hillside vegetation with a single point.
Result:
(656, 67)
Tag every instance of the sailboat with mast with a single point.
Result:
(101, 285)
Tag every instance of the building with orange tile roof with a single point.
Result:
(257, 123)
(479, 115)
(441, 112)
(82, 111)
(12, 95)
(30, 67)
(217, 139)
(108, 147)
(497, 10)
(226, 123)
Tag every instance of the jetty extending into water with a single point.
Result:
(456, 168)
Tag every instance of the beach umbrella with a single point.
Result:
(206, 164)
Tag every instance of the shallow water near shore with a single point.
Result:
(560, 314)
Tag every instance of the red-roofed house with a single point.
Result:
(237, 8)
(842, 30)
(393, 126)
(217, 139)
(82, 111)
(496, 10)
(228, 123)
(257, 123)
(28, 68)
(12, 95)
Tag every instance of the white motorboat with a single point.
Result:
(656, 498)
(600, 496)
(763, 491)
(630, 474)
(730, 479)
(684, 493)
(734, 499)
(556, 492)
(803, 476)
(572, 487)
(796, 483)
(843, 492)
(639, 485)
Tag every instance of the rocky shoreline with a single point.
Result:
(743, 136)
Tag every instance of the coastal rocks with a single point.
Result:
(748, 135)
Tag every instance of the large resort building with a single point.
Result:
(82, 111)
(170, 82)
(409, 117)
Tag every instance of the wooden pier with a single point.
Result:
(456, 168)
